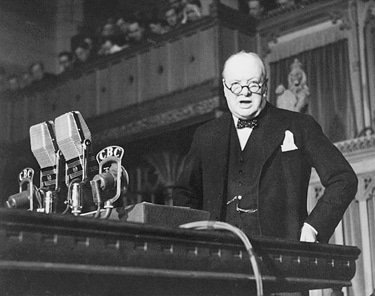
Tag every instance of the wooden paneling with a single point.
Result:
(177, 69)
(5, 120)
(78, 100)
(159, 71)
(36, 112)
(192, 58)
(117, 84)
(208, 53)
(154, 73)
(178, 62)
(104, 90)
(228, 44)
(19, 119)
(64, 98)
(90, 104)
(245, 42)
(130, 80)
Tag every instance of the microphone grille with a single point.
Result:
(71, 132)
(42, 142)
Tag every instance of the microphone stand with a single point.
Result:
(75, 192)
(105, 176)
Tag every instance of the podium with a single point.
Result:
(65, 255)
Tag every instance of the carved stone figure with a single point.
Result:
(296, 96)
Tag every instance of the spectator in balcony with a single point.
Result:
(136, 32)
(82, 54)
(191, 13)
(172, 18)
(251, 167)
(256, 8)
(25, 80)
(66, 62)
(108, 30)
(110, 46)
(122, 31)
(84, 35)
(40, 78)
(178, 6)
(158, 27)
(13, 83)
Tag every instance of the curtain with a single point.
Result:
(328, 79)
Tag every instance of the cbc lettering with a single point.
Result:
(26, 173)
(109, 151)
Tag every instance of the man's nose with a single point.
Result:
(245, 91)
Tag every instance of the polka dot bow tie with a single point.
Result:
(251, 123)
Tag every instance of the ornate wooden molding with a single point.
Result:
(356, 145)
(366, 187)
(152, 122)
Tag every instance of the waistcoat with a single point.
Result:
(242, 182)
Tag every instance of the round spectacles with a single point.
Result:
(252, 87)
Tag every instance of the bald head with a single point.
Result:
(245, 84)
(242, 60)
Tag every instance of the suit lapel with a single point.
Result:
(221, 136)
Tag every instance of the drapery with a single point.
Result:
(328, 79)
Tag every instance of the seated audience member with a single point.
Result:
(136, 33)
(109, 46)
(122, 31)
(191, 13)
(82, 54)
(13, 83)
(84, 35)
(39, 76)
(172, 18)
(25, 80)
(158, 26)
(65, 61)
(256, 8)
(108, 30)
(178, 5)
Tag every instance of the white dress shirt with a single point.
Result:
(242, 133)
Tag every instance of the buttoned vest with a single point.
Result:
(242, 182)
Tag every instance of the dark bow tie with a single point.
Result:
(251, 123)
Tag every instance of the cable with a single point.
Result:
(209, 225)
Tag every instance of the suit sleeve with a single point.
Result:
(336, 175)
(188, 189)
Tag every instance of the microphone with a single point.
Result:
(74, 140)
(25, 197)
(46, 151)
(112, 180)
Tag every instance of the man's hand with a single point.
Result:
(308, 233)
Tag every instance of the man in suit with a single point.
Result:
(251, 167)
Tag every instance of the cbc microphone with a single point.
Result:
(111, 181)
(47, 153)
(74, 140)
(45, 149)
(25, 198)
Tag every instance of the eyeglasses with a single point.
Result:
(253, 87)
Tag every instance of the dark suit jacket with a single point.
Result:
(282, 177)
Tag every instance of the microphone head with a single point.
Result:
(71, 133)
(18, 200)
(43, 144)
